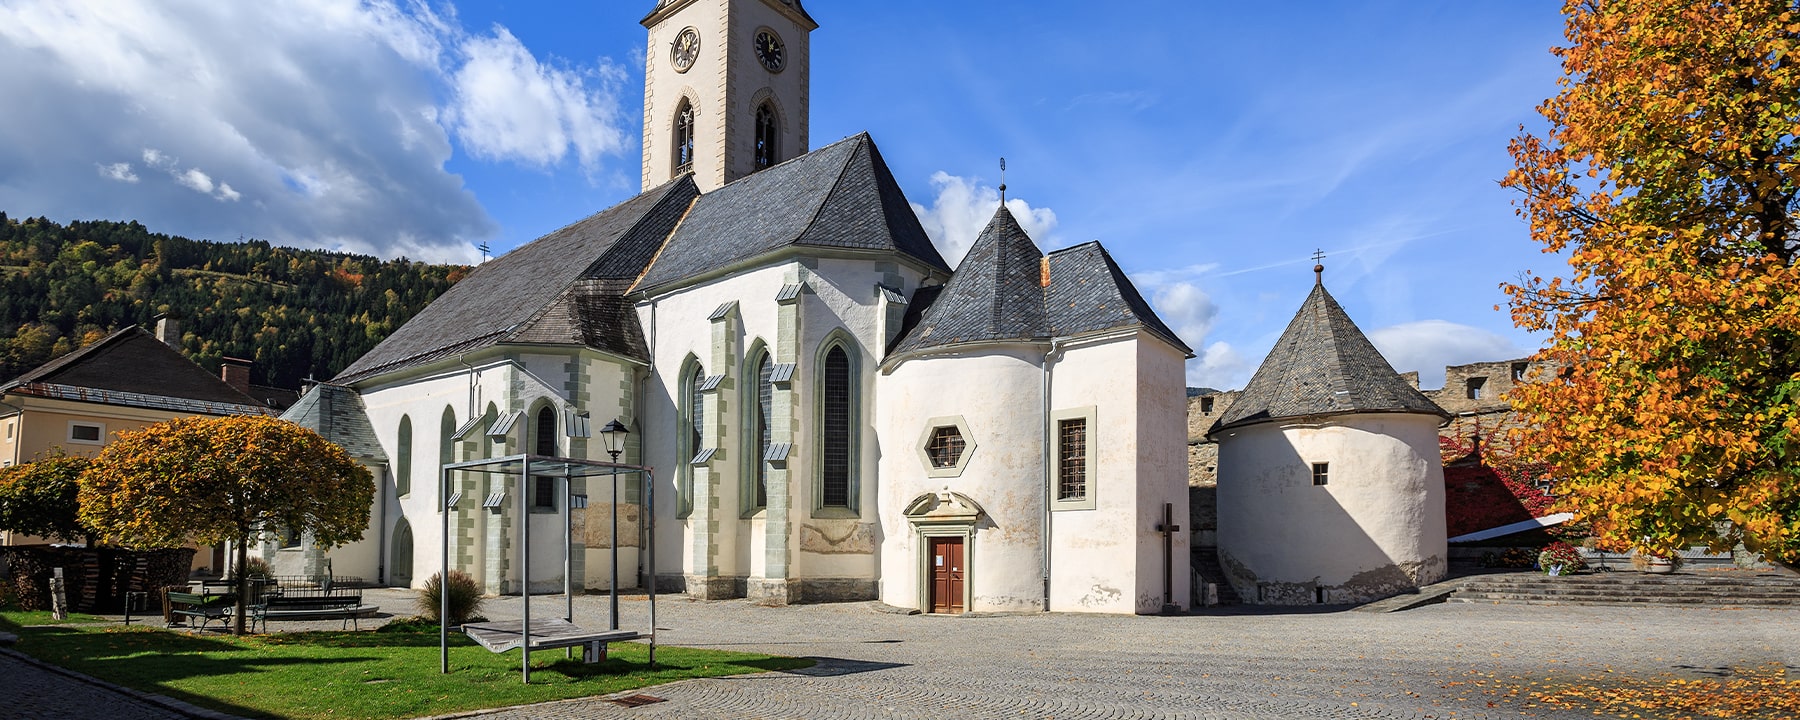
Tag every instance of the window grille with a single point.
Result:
(1321, 473)
(1072, 454)
(946, 446)
(544, 430)
(765, 391)
(836, 486)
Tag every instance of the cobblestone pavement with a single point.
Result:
(29, 692)
(1417, 664)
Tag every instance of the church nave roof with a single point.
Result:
(839, 196)
(563, 288)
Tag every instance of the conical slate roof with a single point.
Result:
(1323, 365)
(997, 293)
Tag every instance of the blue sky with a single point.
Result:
(1211, 146)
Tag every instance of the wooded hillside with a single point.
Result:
(293, 312)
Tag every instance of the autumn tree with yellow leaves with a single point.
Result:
(213, 480)
(1667, 178)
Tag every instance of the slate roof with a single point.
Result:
(1323, 365)
(132, 362)
(839, 196)
(564, 288)
(337, 413)
(1005, 289)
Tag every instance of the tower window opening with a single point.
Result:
(765, 136)
(1476, 387)
(684, 137)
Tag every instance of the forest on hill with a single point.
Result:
(293, 312)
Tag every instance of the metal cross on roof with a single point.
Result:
(1002, 181)
(1318, 257)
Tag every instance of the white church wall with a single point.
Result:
(423, 402)
(1162, 473)
(363, 557)
(1376, 528)
(994, 391)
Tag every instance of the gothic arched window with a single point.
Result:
(761, 421)
(837, 428)
(543, 432)
(403, 464)
(446, 448)
(684, 137)
(765, 136)
(692, 435)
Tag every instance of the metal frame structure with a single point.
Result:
(524, 467)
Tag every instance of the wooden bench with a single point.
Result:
(204, 608)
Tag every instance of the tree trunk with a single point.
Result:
(243, 585)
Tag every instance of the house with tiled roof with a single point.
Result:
(124, 381)
(832, 411)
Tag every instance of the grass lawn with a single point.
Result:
(34, 618)
(355, 674)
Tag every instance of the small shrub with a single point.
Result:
(465, 597)
(256, 567)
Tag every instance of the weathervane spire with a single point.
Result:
(1002, 182)
(1318, 257)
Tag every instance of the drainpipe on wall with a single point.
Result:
(1048, 439)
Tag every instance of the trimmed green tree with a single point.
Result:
(230, 479)
(39, 498)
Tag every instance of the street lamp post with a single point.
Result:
(614, 434)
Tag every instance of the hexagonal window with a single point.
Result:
(945, 446)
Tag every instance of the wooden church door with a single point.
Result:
(947, 571)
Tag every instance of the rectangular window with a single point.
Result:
(1071, 456)
(1476, 384)
(1321, 473)
(1518, 371)
(89, 433)
(543, 496)
(1206, 405)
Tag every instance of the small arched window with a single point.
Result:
(403, 463)
(837, 423)
(684, 137)
(766, 136)
(543, 433)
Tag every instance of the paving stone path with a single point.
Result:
(29, 692)
(1423, 663)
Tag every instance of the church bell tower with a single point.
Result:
(725, 88)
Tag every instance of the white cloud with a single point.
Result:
(118, 171)
(1219, 366)
(509, 105)
(1429, 345)
(1187, 310)
(963, 207)
(305, 122)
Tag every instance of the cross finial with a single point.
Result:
(483, 247)
(1002, 181)
(1318, 257)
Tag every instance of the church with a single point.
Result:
(833, 412)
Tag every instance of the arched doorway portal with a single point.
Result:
(400, 561)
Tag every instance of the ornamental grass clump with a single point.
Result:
(1560, 558)
(465, 597)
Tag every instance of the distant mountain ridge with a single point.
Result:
(294, 313)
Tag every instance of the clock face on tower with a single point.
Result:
(685, 49)
(770, 51)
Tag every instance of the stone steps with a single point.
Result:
(1206, 562)
(1632, 589)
